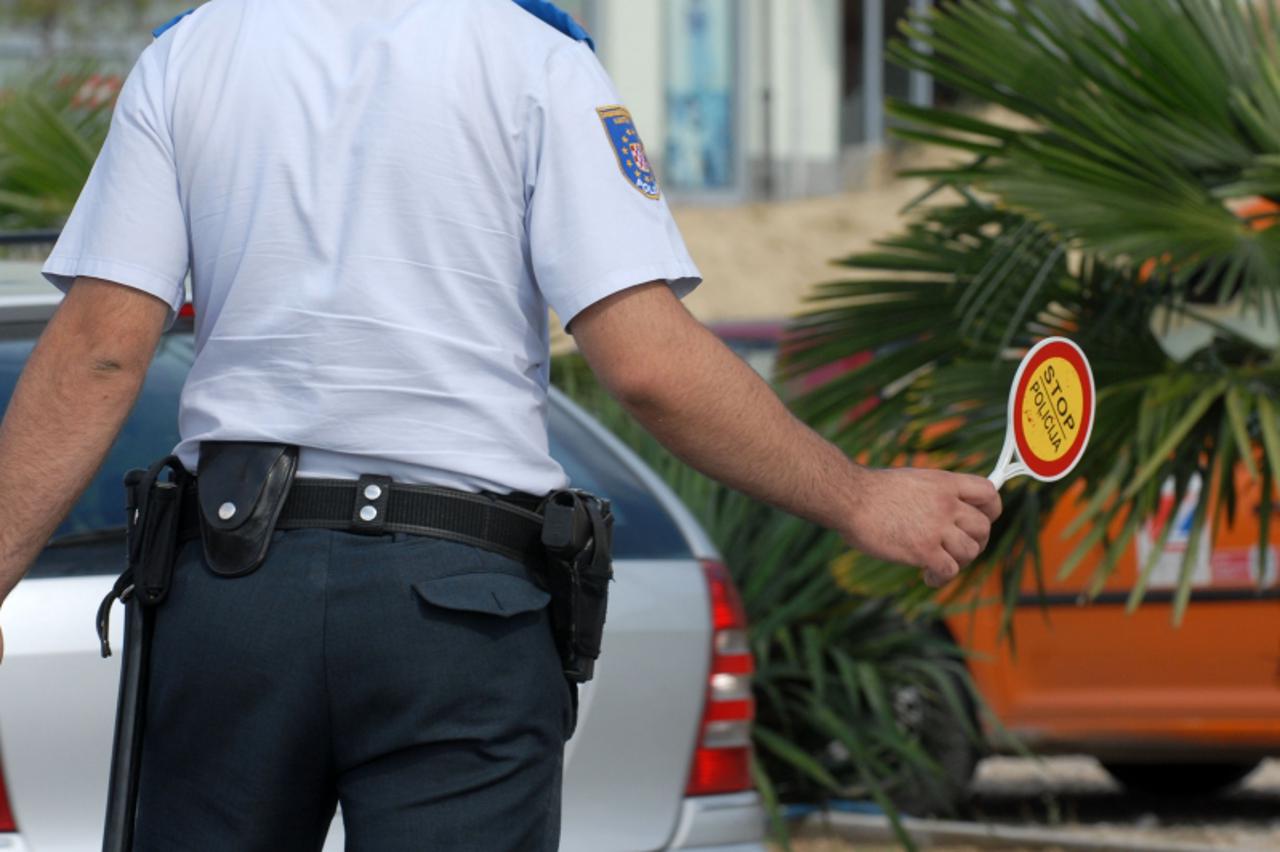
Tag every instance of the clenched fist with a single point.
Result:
(934, 520)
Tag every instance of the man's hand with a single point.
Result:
(936, 521)
(712, 410)
(73, 397)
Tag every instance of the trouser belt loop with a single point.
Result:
(373, 493)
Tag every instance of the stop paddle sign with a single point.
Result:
(1051, 408)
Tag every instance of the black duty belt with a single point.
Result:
(373, 505)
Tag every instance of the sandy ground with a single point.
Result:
(759, 261)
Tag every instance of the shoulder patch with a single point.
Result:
(627, 147)
(558, 18)
(170, 24)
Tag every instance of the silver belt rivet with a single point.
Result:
(227, 511)
(372, 492)
(368, 513)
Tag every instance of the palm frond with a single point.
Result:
(51, 128)
(946, 344)
(1136, 129)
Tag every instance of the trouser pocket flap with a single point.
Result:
(492, 593)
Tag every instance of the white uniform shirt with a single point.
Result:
(376, 201)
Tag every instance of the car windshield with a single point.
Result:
(90, 539)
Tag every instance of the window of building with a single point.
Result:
(853, 109)
(700, 151)
(868, 76)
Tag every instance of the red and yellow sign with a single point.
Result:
(1051, 410)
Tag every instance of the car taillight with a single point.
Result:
(6, 813)
(187, 311)
(722, 758)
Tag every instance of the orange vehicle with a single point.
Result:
(1177, 709)
(1186, 709)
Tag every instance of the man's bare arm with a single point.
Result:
(74, 395)
(712, 410)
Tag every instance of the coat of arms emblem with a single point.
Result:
(629, 150)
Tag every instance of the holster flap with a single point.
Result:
(242, 487)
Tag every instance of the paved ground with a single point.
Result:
(1075, 795)
(1076, 791)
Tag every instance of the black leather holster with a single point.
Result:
(577, 534)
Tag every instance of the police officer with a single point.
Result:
(376, 203)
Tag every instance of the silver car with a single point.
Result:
(660, 757)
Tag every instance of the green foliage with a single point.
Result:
(831, 665)
(1130, 134)
(51, 128)
(1145, 123)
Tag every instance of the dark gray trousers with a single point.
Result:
(411, 679)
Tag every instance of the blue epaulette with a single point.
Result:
(169, 24)
(558, 18)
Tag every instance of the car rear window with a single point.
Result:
(90, 540)
(642, 528)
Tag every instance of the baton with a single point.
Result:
(126, 748)
(126, 751)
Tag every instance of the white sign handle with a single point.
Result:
(1006, 468)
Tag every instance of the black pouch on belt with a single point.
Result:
(577, 534)
(241, 487)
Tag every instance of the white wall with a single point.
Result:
(805, 83)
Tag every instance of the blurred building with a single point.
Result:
(109, 34)
(736, 99)
(756, 99)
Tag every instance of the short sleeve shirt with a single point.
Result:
(376, 203)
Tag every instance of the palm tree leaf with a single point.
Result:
(783, 748)
(1158, 457)
(1238, 415)
(50, 134)
(1141, 121)
(1270, 436)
